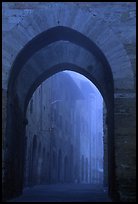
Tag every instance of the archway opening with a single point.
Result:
(22, 86)
(69, 118)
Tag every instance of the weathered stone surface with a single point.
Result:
(22, 21)
(92, 12)
(125, 144)
(4, 102)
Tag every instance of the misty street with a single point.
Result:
(64, 193)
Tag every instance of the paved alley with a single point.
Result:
(64, 193)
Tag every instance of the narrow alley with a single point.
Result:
(68, 101)
(64, 193)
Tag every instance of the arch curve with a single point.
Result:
(62, 67)
(102, 77)
(106, 40)
(52, 35)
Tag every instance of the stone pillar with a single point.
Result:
(125, 141)
(14, 150)
(4, 146)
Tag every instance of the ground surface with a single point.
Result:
(64, 193)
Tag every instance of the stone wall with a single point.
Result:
(120, 18)
(4, 102)
(125, 142)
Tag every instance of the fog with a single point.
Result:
(65, 132)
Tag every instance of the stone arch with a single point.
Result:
(110, 62)
(58, 68)
(108, 94)
(91, 28)
(87, 72)
(21, 69)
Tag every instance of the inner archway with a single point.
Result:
(69, 107)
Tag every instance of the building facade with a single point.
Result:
(63, 138)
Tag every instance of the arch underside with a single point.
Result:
(59, 49)
(55, 50)
(95, 29)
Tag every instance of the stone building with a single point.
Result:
(95, 39)
(60, 137)
(91, 114)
